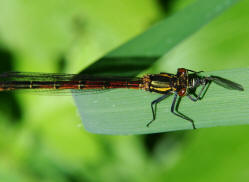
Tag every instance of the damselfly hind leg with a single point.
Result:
(174, 110)
(154, 103)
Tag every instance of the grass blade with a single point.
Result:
(128, 111)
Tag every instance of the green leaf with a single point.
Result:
(125, 111)
(128, 111)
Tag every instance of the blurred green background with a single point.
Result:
(42, 138)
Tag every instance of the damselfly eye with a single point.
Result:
(182, 92)
(181, 71)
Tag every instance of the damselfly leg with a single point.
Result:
(174, 110)
(154, 103)
(201, 93)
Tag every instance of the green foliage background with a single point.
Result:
(42, 138)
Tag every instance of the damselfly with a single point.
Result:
(184, 83)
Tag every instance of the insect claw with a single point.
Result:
(148, 124)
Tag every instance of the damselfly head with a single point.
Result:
(195, 81)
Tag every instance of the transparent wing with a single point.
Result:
(65, 92)
(225, 83)
(29, 76)
(36, 76)
(25, 79)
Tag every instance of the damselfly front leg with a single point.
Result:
(201, 93)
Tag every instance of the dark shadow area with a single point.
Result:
(62, 64)
(120, 66)
(166, 6)
(151, 141)
(171, 139)
(8, 104)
